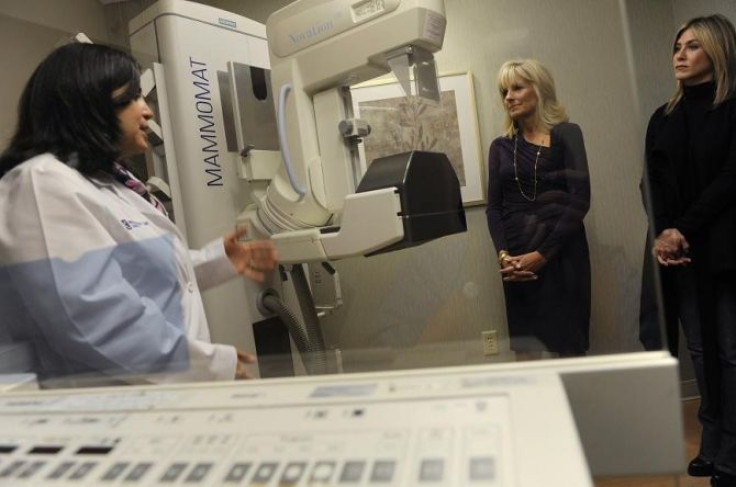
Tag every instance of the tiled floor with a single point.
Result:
(692, 438)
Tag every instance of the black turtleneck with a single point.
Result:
(691, 162)
(696, 104)
(697, 101)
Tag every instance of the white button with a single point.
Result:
(190, 287)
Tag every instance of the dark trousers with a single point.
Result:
(708, 316)
(650, 307)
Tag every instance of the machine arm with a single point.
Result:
(317, 50)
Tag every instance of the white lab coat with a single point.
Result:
(101, 283)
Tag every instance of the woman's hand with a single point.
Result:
(252, 259)
(243, 358)
(671, 248)
(521, 268)
(532, 262)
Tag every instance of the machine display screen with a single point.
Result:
(368, 8)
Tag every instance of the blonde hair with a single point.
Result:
(550, 112)
(718, 39)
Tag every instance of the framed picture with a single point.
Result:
(400, 124)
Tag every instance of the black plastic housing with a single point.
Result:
(431, 203)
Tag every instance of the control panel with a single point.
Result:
(389, 429)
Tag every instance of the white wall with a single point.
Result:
(29, 30)
(65, 15)
(686, 9)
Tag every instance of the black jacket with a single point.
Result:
(691, 164)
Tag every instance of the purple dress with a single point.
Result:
(553, 312)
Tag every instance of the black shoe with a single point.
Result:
(722, 479)
(699, 467)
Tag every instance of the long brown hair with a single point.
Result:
(717, 37)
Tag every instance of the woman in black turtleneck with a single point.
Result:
(691, 164)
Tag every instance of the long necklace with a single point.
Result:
(516, 172)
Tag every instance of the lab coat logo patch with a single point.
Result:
(132, 224)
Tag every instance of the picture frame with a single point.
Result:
(399, 124)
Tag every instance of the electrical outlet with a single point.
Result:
(490, 342)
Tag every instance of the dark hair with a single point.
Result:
(67, 108)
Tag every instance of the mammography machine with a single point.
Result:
(219, 148)
(409, 198)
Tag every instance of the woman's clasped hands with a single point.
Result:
(671, 248)
(520, 268)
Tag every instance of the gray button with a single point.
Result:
(60, 470)
(322, 472)
(12, 469)
(264, 472)
(198, 473)
(383, 471)
(173, 473)
(352, 471)
(292, 473)
(31, 470)
(82, 470)
(432, 470)
(482, 468)
(138, 472)
(115, 471)
(237, 473)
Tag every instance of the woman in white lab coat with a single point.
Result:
(93, 274)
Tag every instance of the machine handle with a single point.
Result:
(283, 93)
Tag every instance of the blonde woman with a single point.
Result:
(691, 164)
(538, 194)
